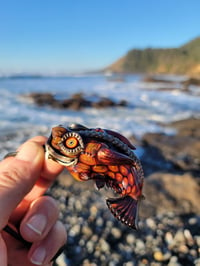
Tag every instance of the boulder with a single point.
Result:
(166, 192)
(75, 102)
(180, 151)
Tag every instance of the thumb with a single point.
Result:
(3, 252)
(17, 176)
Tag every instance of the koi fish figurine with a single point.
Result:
(106, 157)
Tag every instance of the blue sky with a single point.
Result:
(67, 36)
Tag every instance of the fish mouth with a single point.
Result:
(50, 153)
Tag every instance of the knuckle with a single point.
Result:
(13, 176)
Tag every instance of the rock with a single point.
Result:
(75, 230)
(178, 193)
(169, 238)
(42, 98)
(140, 247)
(104, 246)
(191, 81)
(90, 246)
(188, 127)
(158, 255)
(61, 260)
(103, 102)
(86, 230)
(157, 79)
(76, 101)
(116, 233)
(179, 237)
(129, 263)
(151, 223)
(130, 239)
(174, 261)
(178, 152)
(111, 243)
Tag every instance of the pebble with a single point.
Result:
(158, 255)
(116, 233)
(197, 239)
(130, 239)
(87, 231)
(93, 211)
(104, 246)
(78, 205)
(183, 249)
(140, 246)
(179, 237)
(90, 246)
(174, 261)
(129, 263)
(75, 230)
(99, 221)
(151, 223)
(168, 238)
(188, 237)
(95, 237)
(197, 262)
(61, 260)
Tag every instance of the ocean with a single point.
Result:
(150, 105)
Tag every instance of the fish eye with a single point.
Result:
(71, 142)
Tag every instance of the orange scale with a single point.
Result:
(100, 168)
(113, 168)
(128, 190)
(76, 175)
(123, 193)
(121, 186)
(119, 177)
(111, 174)
(125, 182)
(87, 159)
(133, 190)
(131, 179)
(92, 147)
(82, 167)
(123, 170)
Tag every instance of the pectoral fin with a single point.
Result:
(109, 157)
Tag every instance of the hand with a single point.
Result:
(23, 181)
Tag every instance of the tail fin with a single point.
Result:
(125, 209)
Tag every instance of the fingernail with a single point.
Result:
(28, 152)
(38, 256)
(37, 223)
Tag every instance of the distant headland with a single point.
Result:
(182, 60)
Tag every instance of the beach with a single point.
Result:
(162, 119)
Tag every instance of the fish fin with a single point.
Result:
(120, 137)
(99, 183)
(125, 209)
(111, 157)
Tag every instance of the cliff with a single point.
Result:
(182, 60)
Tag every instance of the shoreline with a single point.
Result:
(169, 216)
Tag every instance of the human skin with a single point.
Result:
(23, 182)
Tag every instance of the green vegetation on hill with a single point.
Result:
(182, 60)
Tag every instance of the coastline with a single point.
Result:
(169, 152)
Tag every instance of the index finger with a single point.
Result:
(49, 173)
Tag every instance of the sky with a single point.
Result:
(70, 36)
